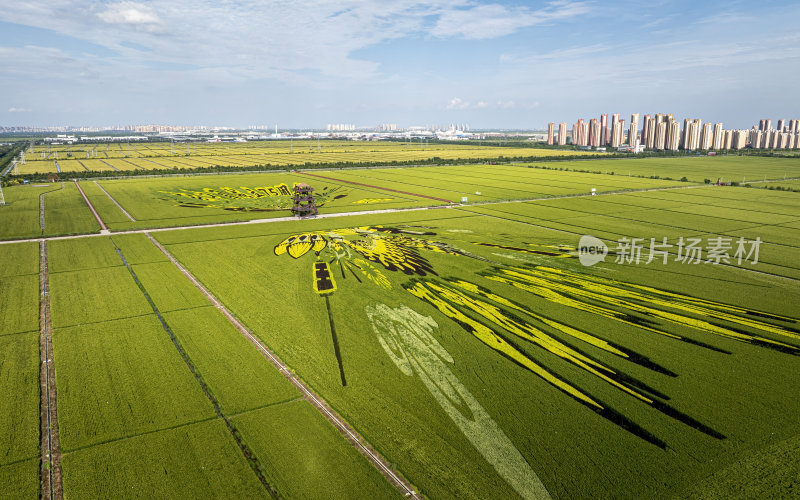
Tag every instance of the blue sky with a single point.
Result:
(303, 64)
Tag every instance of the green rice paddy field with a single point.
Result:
(468, 344)
(144, 156)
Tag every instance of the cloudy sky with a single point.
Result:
(306, 63)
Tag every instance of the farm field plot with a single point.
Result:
(19, 297)
(95, 295)
(20, 480)
(18, 259)
(19, 217)
(278, 153)
(495, 182)
(19, 399)
(618, 363)
(306, 455)
(121, 378)
(67, 213)
(198, 461)
(696, 169)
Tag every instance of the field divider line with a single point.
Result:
(50, 470)
(316, 401)
(129, 216)
(251, 458)
(103, 227)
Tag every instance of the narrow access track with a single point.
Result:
(103, 227)
(372, 186)
(9, 169)
(41, 206)
(338, 422)
(51, 487)
(129, 216)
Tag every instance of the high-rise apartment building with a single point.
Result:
(551, 127)
(685, 133)
(651, 133)
(633, 132)
(594, 132)
(673, 139)
(604, 130)
(562, 134)
(718, 141)
(780, 126)
(736, 139)
(661, 135)
(644, 129)
(707, 137)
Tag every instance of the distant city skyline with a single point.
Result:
(305, 64)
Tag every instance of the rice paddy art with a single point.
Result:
(408, 339)
(246, 199)
(505, 324)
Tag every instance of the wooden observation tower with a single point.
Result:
(304, 205)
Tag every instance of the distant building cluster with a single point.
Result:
(661, 132)
(785, 136)
(341, 127)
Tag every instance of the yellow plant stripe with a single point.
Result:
(534, 335)
(540, 289)
(488, 337)
(568, 330)
(601, 293)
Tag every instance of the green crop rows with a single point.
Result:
(469, 346)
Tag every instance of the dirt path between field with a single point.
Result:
(129, 216)
(41, 206)
(103, 226)
(316, 401)
(375, 187)
(50, 446)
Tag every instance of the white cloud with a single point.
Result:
(457, 103)
(482, 104)
(19, 110)
(129, 13)
(495, 20)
